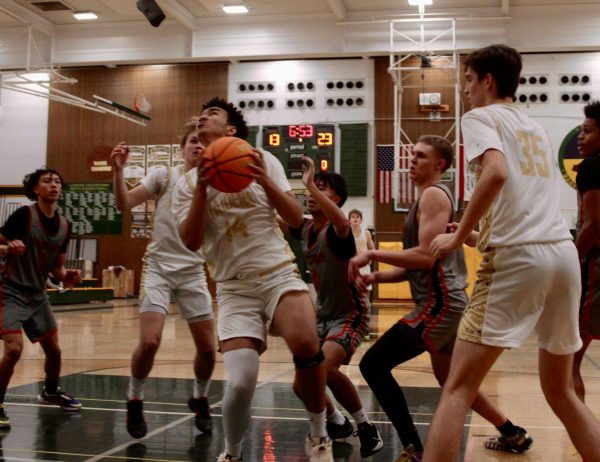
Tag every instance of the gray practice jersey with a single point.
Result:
(327, 257)
(446, 275)
(31, 269)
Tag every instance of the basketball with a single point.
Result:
(227, 162)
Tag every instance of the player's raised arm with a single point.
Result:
(124, 198)
(330, 209)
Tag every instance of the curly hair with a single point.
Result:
(31, 180)
(234, 116)
(592, 111)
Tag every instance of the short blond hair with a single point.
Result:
(190, 127)
(442, 147)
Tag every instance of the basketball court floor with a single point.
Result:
(97, 346)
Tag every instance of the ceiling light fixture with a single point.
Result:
(420, 2)
(85, 15)
(235, 9)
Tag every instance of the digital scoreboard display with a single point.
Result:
(292, 142)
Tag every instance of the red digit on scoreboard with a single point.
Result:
(308, 131)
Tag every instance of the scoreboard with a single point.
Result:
(292, 142)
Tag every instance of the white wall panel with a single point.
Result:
(122, 42)
(319, 72)
(23, 135)
(14, 53)
(554, 28)
(277, 36)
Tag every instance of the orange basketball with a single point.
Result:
(227, 162)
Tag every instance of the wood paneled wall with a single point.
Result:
(389, 224)
(75, 135)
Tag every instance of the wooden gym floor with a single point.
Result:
(97, 346)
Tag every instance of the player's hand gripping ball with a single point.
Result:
(227, 164)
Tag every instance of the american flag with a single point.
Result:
(385, 167)
(394, 185)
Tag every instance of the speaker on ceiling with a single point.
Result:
(152, 11)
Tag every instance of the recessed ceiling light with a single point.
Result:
(420, 2)
(235, 9)
(85, 15)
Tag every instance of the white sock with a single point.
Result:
(201, 387)
(317, 423)
(136, 388)
(360, 416)
(242, 373)
(336, 417)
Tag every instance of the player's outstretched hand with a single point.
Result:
(355, 263)
(363, 281)
(443, 244)
(119, 155)
(308, 171)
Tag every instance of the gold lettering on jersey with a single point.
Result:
(224, 202)
(535, 159)
(238, 227)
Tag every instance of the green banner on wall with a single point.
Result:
(91, 207)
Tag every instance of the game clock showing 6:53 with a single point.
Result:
(292, 142)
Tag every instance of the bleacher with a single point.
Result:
(88, 291)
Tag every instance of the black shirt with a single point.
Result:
(588, 174)
(18, 223)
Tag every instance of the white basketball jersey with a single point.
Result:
(360, 241)
(166, 248)
(527, 209)
(242, 235)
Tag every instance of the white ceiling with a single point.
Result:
(198, 30)
(115, 11)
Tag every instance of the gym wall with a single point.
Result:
(176, 92)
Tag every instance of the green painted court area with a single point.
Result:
(98, 432)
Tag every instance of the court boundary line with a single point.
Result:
(188, 415)
(109, 454)
(164, 428)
